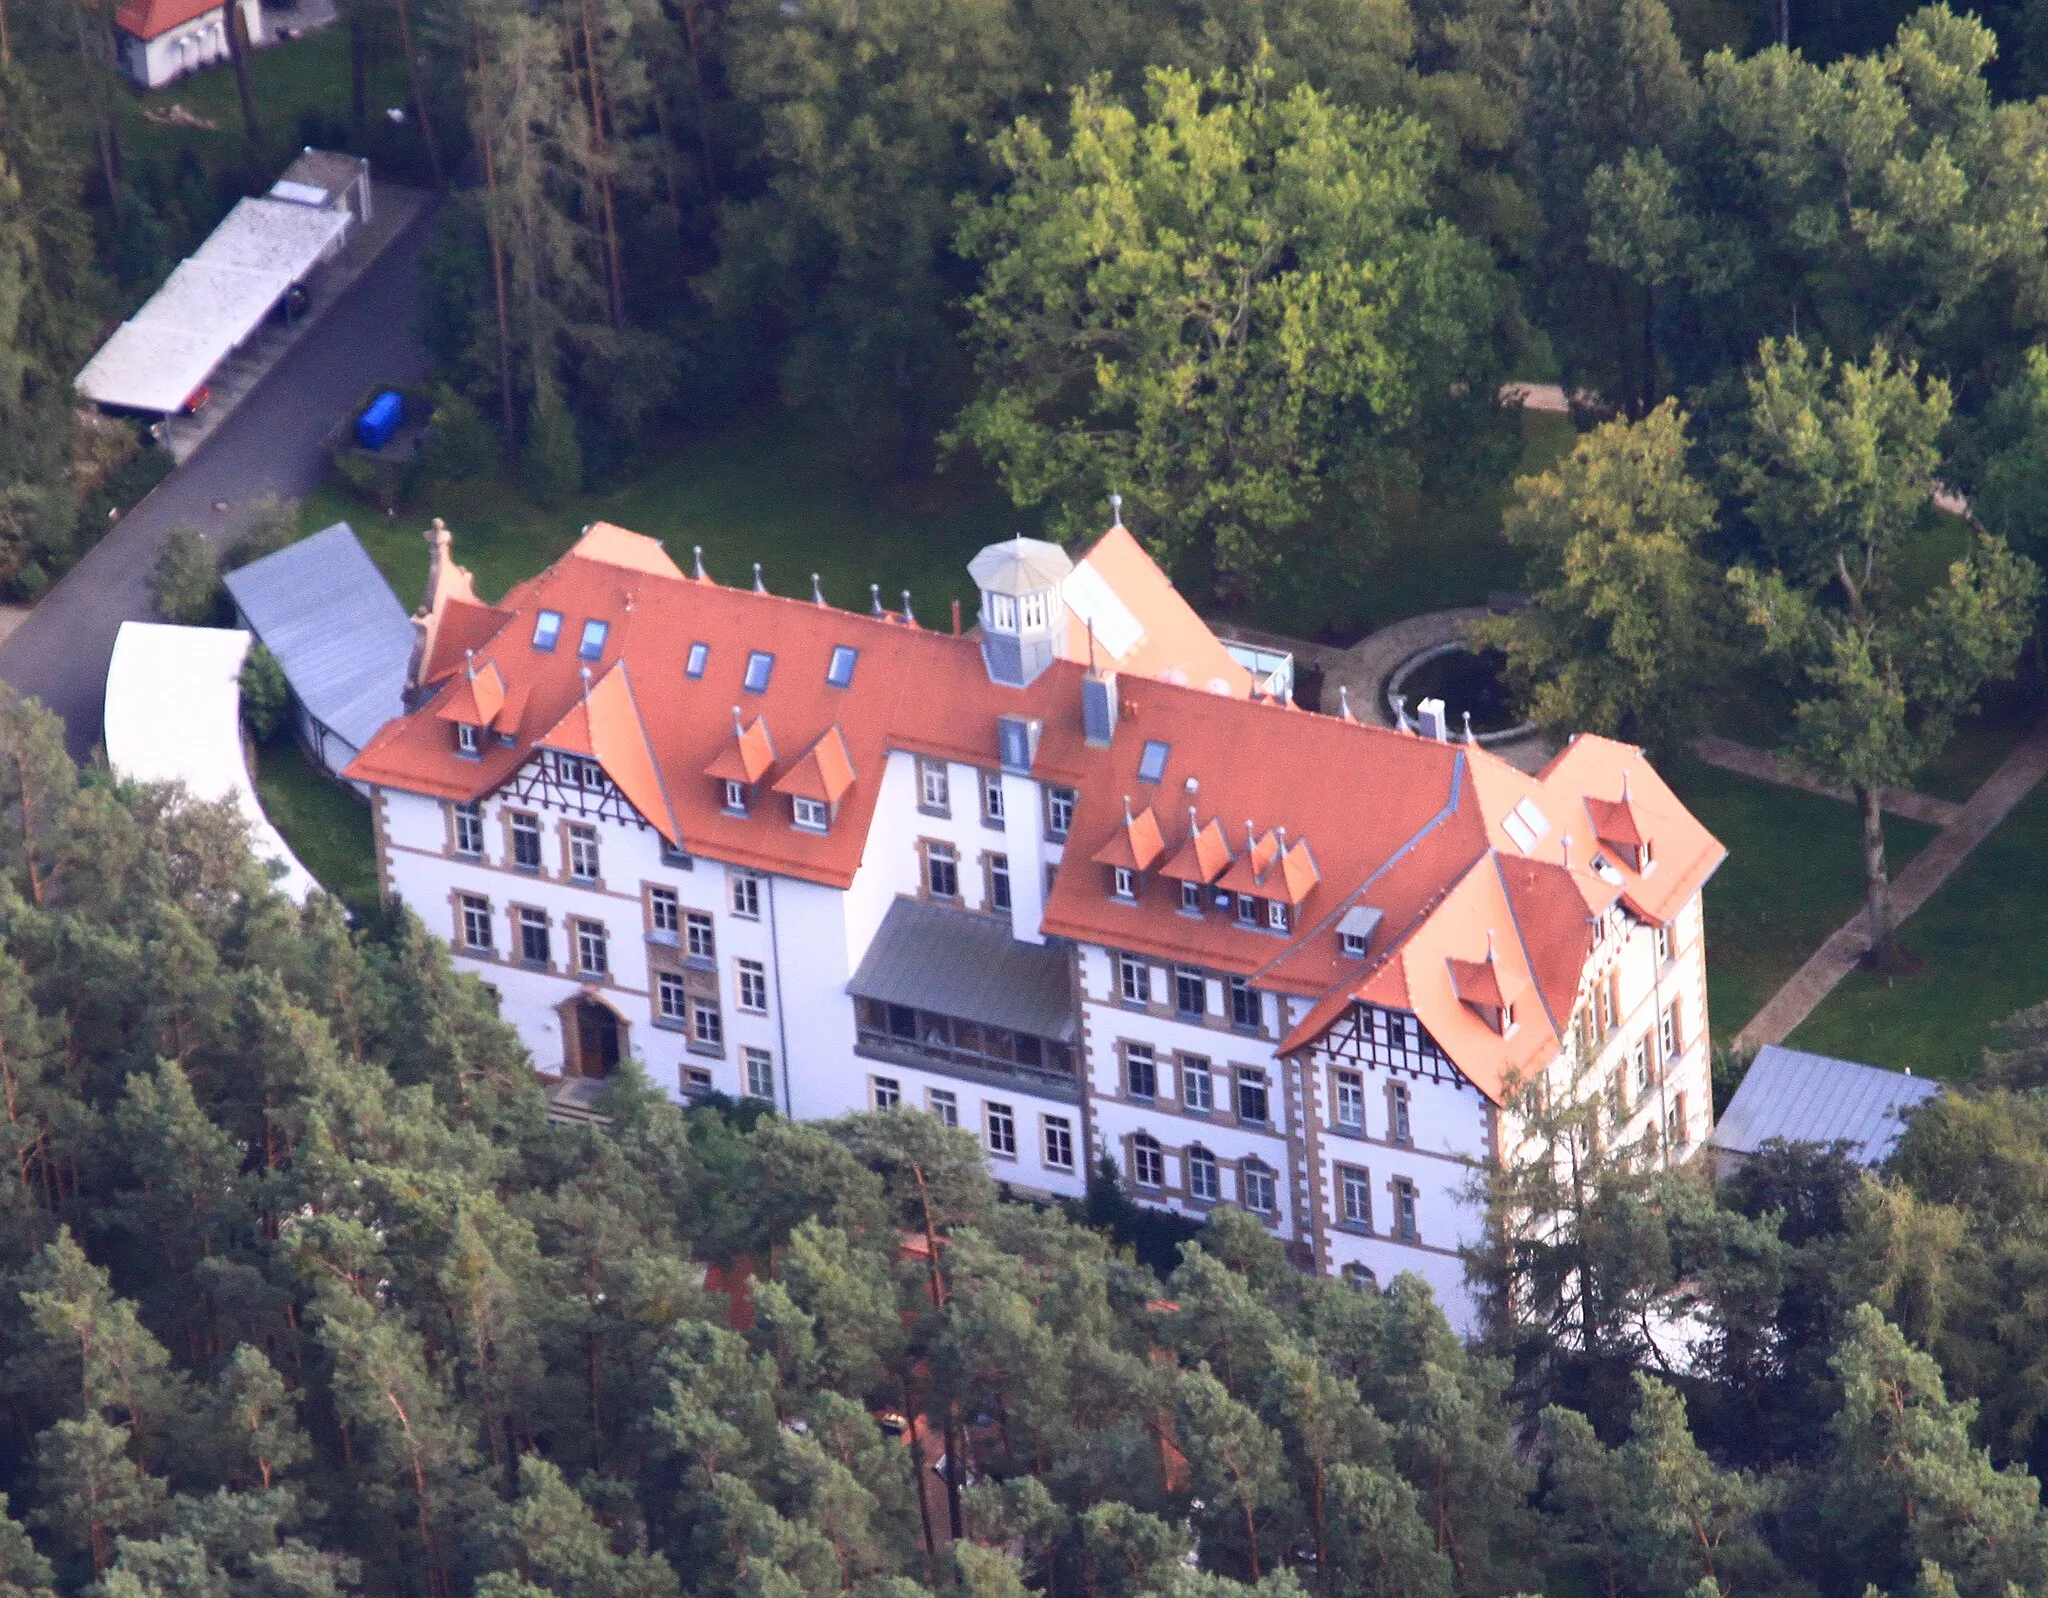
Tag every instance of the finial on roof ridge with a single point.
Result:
(584, 673)
(1116, 511)
(817, 590)
(1128, 818)
(875, 593)
(739, 726)
(469, 663)
(1344, 702)
(1624, 785)
(908, 619)
(1490, 955)
(759, 586)
(1251, 836)
(697, 554)
(1400, 704)
(1468, 728)
(1566, 843)
(1194, 822)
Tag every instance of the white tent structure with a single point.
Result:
(159, 358)
(174, 714)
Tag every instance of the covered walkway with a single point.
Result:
(174, 714)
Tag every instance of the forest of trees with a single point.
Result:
(302, 1296)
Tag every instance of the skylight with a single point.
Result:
(547, 627)
(1152, 763)
(700, 656)
(1525, 824)
(593, 640)
(840, 673)
(759, 664)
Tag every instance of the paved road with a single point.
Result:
(271, 445)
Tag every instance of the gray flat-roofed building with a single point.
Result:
(1814, 1098)
(325, 611)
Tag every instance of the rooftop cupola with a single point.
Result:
(1022, 616)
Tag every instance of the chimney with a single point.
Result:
(445, 581)
(956, 618)
(1429, 717)
(1098, 708)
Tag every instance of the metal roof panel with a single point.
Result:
(1814, 1098)
(962, 964)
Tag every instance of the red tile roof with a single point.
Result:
(151, 19)
(1411, 827)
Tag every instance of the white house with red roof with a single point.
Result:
(1079, 888)
(159, 41)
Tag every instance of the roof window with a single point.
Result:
(840, 673)
(1526, 824)
(759, 664)
(593, 640)
(1152, 763)
(547, 627)
(700, 657)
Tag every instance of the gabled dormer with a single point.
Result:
(1487, 990)
(1133, 849)
(742, 763)
(817, 782)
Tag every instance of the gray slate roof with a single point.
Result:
(322, 607)
(1020, 566)
(1812, 1098)
(962, 964)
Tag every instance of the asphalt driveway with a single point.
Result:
(271, 445)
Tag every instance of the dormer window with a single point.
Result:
(1645, 860)
(1191, 898)
(1123, 882)
(1276, 915)
(594, 634)
(1247, 910)
(759, 664)
(1353, 944)
(735, 797)
(466, 740)
(700, 657)
(811, 814)
(547, 628)
(1507, 1019)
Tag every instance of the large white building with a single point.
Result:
(1068, 880)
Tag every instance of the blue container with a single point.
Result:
(376, 425)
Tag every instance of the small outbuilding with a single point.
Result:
(159, 41)
(1798, 1097)
(325, 611)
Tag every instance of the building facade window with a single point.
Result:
(696, 1079)
(665, 911)
(1675, 1123)
(1059, 812)
(753, 987)
(760, 1067)
(746, 895)
(1141, 1071)
(526, 842)
(992, 798)
(593, 959)
(1197, 1085)
(999, 882)
(476, 924)
(533, 938)
(1133, 980)
(1670, 1037)
(1205, 1181)
(1123, 882)
(813, 815)
(1148, 1161)
(1256, 1181)
(1398, 1127)
(885, 1092)
(671, 1002)
(1244, 1005)
(944, 1104)
(469, 830)
(1348, 1097)
(1059, 1143)
(1405, 1226)
(1663, 944)
(941, 871)
(1251, 1096)
(1353, 944)
(707, 1026)
(1354, 1197)
(1189, 992)
(934, 792)
(699, 941)
(1001, 1130)
(1639, 1062)
(583, 853)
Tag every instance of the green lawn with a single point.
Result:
(326, 824)
(1985, 947)
(1793, 875)
(753, 492)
